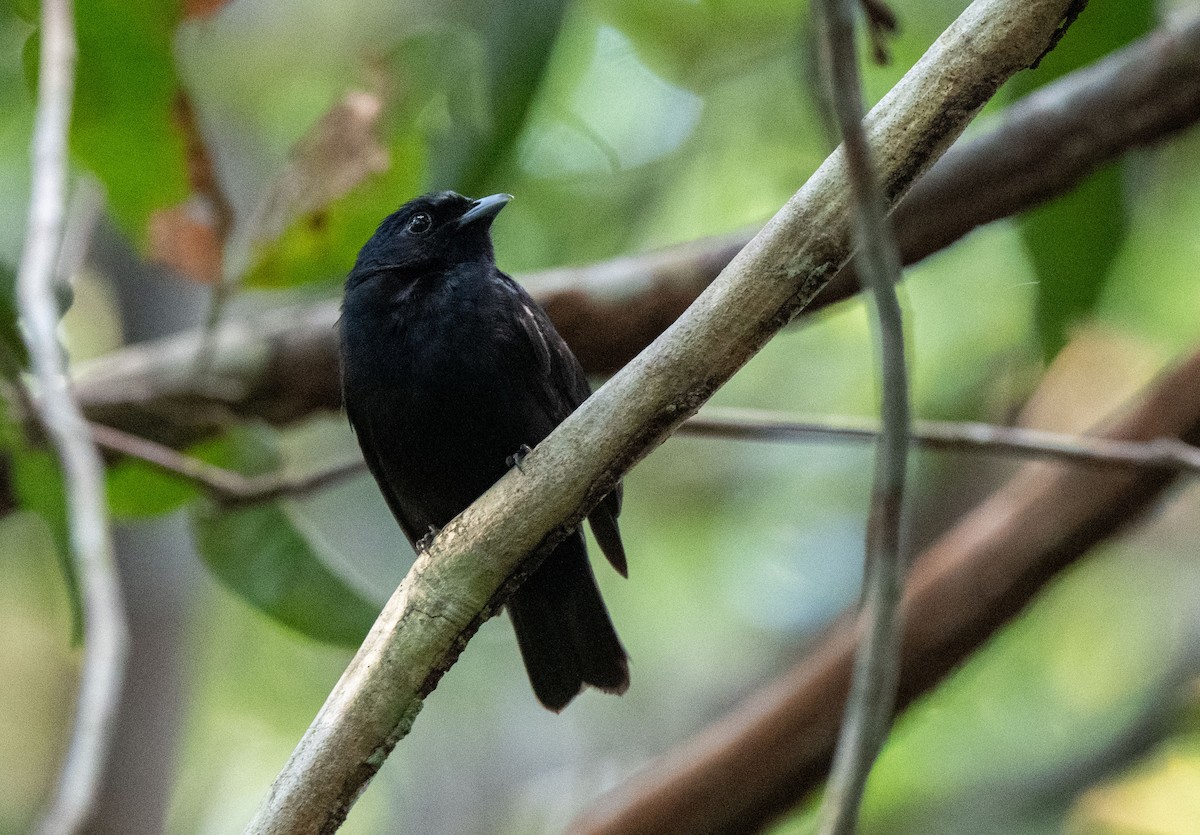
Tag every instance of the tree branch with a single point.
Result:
(475, 561)
(228, 487)
(762, 425)
(770, 752)
(283, 365)
(104, 632)
(234, 488)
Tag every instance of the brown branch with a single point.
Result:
(742, 771)
(201, 169)
(226, 486)
(190, 237)
(282, 365)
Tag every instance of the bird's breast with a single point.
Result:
(435, 368)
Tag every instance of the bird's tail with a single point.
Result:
(566, 636)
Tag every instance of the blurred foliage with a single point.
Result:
(1074, 239)
(124, 117)
(123, 125)
(323, 242)
(1152, 290)
(1160, 794)
(1090, 674)
(620, 126)
(12, 348)
(698, 45)
(137, 490)
(37, 486)
(15, 128)
(35, 702)
(515, 52)
(259, 553)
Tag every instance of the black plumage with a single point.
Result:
(449, 370)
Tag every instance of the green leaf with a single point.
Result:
(261, 555)
(13, 356)
(1152, 291)
(27, 10)
(37, 486)
(137, 490)
(1073, 240)
(123, 124)
(518, 40)
(696, 45)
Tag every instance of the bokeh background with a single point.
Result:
(620, 126)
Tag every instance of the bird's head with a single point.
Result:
(431, 232)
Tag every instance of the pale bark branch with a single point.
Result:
(478, 558)
(283, 365)
(104, 631)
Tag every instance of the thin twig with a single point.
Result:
(764, 425)
(104, 629)
(235, 489)
(226, 486)
(877, 663)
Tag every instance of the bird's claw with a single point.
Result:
(424, 542)
(518, 458)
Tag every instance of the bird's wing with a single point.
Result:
(562, 387)
(561, 383)
(361, 424)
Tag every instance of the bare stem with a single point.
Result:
(104, 630)
(227, 486)
(763, 425)
(876, 669)
(734, 423)
(233, 488)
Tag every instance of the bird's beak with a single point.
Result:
(484, 210)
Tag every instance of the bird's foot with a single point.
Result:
(424, 542)
(518, 457)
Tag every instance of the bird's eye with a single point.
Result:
(420, 223)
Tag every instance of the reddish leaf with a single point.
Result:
(202, 9)
(186, 241)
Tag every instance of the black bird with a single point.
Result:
(450, 372)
